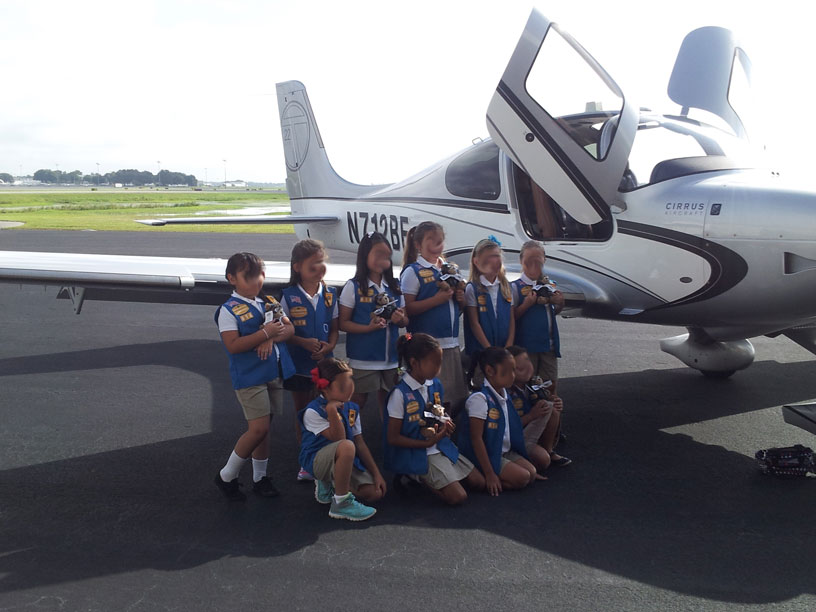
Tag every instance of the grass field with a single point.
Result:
(118, 210)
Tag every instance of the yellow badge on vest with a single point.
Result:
(412, 407)
(240, 309)
(298, 312)
(426, 272)
(352, 417)
(494, 414)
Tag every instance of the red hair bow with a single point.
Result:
(320, 383)
(408, 336)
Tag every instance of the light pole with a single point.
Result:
(225, 173)
(205, 177)
(97, 174)
(58, 176)
(158, 172)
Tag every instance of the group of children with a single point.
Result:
(507, 428)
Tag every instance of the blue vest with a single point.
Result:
(493, 434)
(310, 443)
(436, 321)
(309, 323)
(496, 329)
(247, 369)
(371, 346)
(519, 400)
(533, 327)
(399, 459)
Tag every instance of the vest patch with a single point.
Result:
(437, 398)
(493, 414)
(413, 417)
(493, 425)
(518, 404)
(525, 290)
(246, 317)
(482, 300)
(299, 322)
(240, 309)
(298, 312)
(426, 272)
(352, 417)
(328, 298)
(428, 280)
(412, 407)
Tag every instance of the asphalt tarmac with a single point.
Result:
(115, 421)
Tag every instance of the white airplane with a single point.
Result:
(646, 217)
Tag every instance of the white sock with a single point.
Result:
(258, 469)
(339, 498)
(233, 466)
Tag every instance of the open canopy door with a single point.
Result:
(563, 120)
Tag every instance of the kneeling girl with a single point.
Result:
(435, 459)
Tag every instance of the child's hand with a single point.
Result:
(379, 483)
(460, 297)
(531, 299)
(493, 483)
(441, 432)
(321, 352)
(311, 344)
(450, 427)
(398, 316)
(542, 408)
(333, 405)
(557, 299)
(445, 293)
(265, 349)
(377, 324)
(274, 328)
(558, 403)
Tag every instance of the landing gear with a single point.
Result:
(715, 359)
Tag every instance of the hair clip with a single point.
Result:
(408, 336)
(320, 383)
(492, 238)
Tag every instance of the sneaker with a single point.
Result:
(231, 489)
(324, 492)
(265, 488)
(561, 461)
(350, 509)
(304, 476)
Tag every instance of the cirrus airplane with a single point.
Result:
(651, 218)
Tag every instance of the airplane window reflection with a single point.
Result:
(543, 219)
(475, 173)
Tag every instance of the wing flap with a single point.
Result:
(263, 219)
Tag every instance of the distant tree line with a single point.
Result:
(6, 177)
(126, 177)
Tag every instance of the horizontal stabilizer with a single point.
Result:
(275, 220)
(801, 415)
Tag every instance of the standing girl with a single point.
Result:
(312, 308)
(491, 432)
(536, 328)
(407, 449)
(433, 306)
(488, 299)
(371, 340)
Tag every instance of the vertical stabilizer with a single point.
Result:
(308, 171)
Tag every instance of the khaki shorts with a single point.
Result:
(262, 400)
(533, 431)
(442, 471)
(368, 381)
(509, 457)
(453, 378)
(323, 468)
(545, 365)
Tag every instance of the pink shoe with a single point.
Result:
(304, 476)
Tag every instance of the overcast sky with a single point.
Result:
(394, 86)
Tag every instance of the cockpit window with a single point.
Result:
(564, 85)
(475, 173)
(739, 88)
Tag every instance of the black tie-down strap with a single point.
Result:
(789, 461)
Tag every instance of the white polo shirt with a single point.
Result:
(476, 406)
(492, 289)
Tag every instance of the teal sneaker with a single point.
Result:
(350, 509)
(324, 492)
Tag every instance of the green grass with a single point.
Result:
(118, 211)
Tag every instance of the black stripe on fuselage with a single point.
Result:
(465, 204)
(727, 267)
(557, 153)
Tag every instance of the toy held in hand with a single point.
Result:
(449, 273)
(385, 307)
(538, 389)
(544, 287)
(790, 461)
(274, 311)
(434, 414)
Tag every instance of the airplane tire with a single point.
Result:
(718, 375)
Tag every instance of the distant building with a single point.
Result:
(242, 184)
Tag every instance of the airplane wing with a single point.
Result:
(274, 220)
(171, 280)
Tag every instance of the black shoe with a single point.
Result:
(231, 489)
(265, 488)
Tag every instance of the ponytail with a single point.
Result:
(415, 237)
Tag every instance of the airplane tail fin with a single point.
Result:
(308, 171)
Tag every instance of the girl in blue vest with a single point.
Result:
(433, 306)
(312, 308)
(488, 300)
(491, 434)
(433, 458)
(536, 327)
(333, 449)
(541, 419)
(371, 341)
(259, 362)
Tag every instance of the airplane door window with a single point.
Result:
(543, 219)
